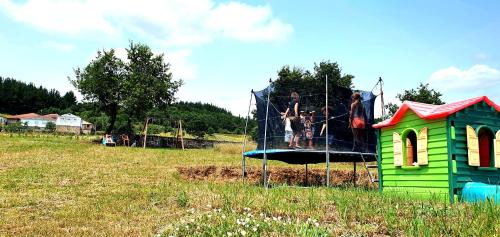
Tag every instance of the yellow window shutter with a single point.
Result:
(398, 149)
(472, 146)
(497, 150)
(422, 155)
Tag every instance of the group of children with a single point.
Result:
(305, 130)
(300, 126)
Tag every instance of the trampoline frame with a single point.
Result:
(263, 154)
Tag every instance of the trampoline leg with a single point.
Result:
(306, 176)
(354, 177)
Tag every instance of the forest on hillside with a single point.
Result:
(198, 118)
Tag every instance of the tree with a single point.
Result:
(334, 73)
(422, 94)
(310, 84)
(50, 127)
(134, 88)
(148, 83)
(20, 97)
(102, 82)
(69, 99)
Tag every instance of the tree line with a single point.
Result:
(17, 97)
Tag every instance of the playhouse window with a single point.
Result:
(486, 154)
(411, 149)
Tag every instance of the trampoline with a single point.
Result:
(309, 122)
(311, 156)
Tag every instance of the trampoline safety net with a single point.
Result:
(305, 130)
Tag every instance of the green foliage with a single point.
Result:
(13, 127)
(200, 119)
(137, 87)
(101, 82)
(182, 199)
(422, 94)
(148, 83)
(50, 127)
(298, 79)
(19, 97)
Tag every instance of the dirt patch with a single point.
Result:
(277, 175)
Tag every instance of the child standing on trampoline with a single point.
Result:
(292, 112)
(357, 122)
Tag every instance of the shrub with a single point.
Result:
(50, 127)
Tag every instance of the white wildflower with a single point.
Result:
(229, 234)
(254, 229)
(243, 232)
(209, 206)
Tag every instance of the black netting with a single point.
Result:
(309, 124)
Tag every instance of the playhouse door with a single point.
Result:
(484, 150)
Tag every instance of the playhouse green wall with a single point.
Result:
(426, 181)
(475, 116)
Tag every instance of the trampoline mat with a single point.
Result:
(308, 156)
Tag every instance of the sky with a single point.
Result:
(224, 49)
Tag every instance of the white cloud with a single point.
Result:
(64, 47)
(173, 22)
(181, 67)
(478, 77)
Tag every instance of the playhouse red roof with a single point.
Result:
(428, 111)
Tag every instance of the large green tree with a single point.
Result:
(135, 87)
(311, 84)
(149, 84)
(102, 82)
(422, 94)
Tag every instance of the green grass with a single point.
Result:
(61, 186)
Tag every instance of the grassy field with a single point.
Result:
(67, 187)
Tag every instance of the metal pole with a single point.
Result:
(382, 97)
(243, 161)
(264, 160)
(181, 132)
(145, 133)
(354, 178)
(326, 137)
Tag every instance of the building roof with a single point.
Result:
(86, 123)
(51, 116)
(25, 116)
(428, 111)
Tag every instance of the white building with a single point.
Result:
(69, 123)
(33, 120)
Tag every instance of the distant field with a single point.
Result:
(61, 186)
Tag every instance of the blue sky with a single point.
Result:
(223, 49)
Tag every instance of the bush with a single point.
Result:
(50, 127)
(14, 127)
